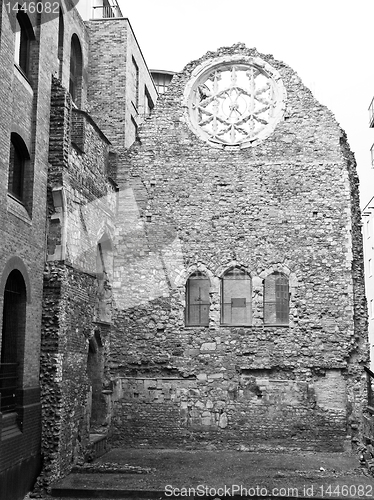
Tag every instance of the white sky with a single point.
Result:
(329, 43)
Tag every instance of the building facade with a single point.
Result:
(186, 273)
(58, 209)
(368, 234)
(239, 308)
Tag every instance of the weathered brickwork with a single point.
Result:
(81, 210)
(287, 204)
(22, 235)
(60, 229)
(117, 103)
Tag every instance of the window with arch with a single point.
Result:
(197, 300)
(24, 34)
(12, 338)
(60, 50)
(276, 299)
(236, 298)
(18, 159)
(76, 64)
(104, 272)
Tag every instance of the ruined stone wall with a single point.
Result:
(81, 203)
(287, 204)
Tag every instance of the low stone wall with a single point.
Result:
(253, 411)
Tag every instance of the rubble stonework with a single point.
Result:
(75, 320)
(289, 204)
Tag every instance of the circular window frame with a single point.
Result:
(200, 75)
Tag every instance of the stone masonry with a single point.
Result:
(287, 204)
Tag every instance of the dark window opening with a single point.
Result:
(148, 103)
(135, 129)
(76, 63)
(13, 332)
(23, 36)
(197, 300)
(276, 299)
(236, 297)
(17, 164)
(136, 81)
(60, 53)
(104, 270)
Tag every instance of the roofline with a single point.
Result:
(163, 71)
(371, 202)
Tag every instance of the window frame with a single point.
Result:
(282, 306)
(197, 275)
(23, 37)
(18, 150)
(236, 302)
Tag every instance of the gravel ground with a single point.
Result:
(164, 470)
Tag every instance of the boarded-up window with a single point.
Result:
(276, 299)
(236, 298)
(197, 300)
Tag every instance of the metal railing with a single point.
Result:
(107, 11)
(8, 386)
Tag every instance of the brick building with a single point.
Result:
(58, 207)
(368, 235)
(239, 308)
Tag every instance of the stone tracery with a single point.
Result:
(235, 102)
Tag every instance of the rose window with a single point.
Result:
(235, 101)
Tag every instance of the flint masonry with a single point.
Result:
(238, 282)
(180, 274)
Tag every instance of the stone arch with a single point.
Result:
(13, 334)
(17, 263)
(184, 274)
(224, 268)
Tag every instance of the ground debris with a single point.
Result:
(112, 468)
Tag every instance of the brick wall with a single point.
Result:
(25, 111)
(113, 102)
(288, 204)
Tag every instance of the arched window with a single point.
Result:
(76, 62)
(18, 159)
(236, 298)
(104, 273)
(23, 36)
(60, 53)
(276, 299)
(13, 332)
(197, 300)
